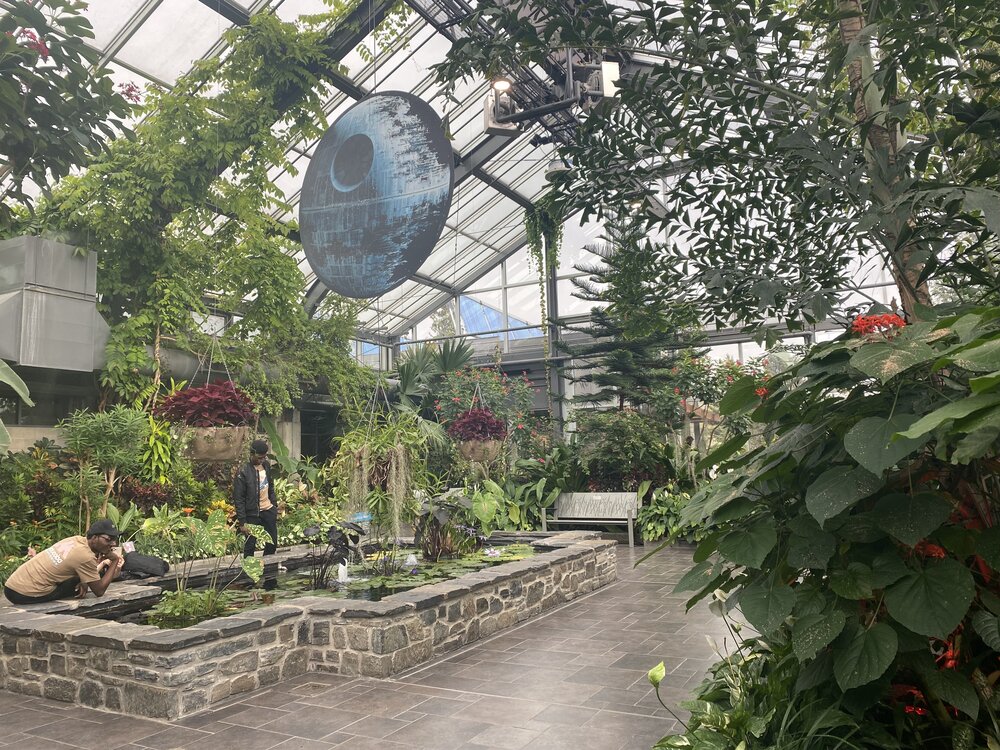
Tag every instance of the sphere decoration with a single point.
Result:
(376, 194)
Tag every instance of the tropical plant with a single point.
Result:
(477, 424)
(442, 527)
(618, 450)
(236, 114)
(182, 538)
(110, 442)
(864, 532)
(158, 454)
(382, 464)
(57, 105)
(422, 367)
(211, 405)
(661, 516)
(752, 699)
(789, 138)
(11, 378)
(329, 548)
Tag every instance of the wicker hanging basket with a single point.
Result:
(215, 443)
(480, 451)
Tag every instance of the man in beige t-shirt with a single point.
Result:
(67, 568)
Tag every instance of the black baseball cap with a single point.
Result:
(103, 526)
(259, 447)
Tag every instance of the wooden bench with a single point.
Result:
(594, 509)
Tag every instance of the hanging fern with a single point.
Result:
(543, 228)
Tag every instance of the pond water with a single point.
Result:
(242, 594)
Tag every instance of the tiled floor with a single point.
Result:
(575, 678)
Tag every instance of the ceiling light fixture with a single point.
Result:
(502, 84)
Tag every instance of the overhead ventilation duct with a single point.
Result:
(48, 306)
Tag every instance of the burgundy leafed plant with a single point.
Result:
(477, 424)
(210, 405)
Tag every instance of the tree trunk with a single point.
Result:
(882, 137)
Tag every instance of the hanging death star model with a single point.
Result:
(376, 194)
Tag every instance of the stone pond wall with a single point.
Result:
(145, 671)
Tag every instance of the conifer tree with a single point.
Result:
(629, 351)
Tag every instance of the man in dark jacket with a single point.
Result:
(253, 498)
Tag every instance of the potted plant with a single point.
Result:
(216, 419)
(479, 434)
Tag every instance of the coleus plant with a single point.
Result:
(477, 424)
(864, 530)
(216, 404)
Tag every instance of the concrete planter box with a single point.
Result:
(141, 670)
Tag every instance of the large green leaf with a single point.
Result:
(870, 441)
(982, 358)
(985, 383)
(751, 545)
(955, 410)
(954, 688)
(11, 378)
(865, 655)
(837, 489)
(910, 518)
(977, 443)
(808, 545)
(723, 452)
(887, 568)
(934, 600)
(767, 603)
(887, 360)
(987, 625)
(740, 397)
(812, 633)
(852, 582)
(697, 577)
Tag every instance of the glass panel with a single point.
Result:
(109, 18)
(523, 306)
(165, 54)
(519, 268)
(289, 10)
(489, 281)
(483, 312)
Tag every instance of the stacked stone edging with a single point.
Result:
(142, 670)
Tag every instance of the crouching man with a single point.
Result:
(68, 568)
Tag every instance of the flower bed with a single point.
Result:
(141, 670)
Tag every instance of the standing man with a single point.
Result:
(253, 498)
(68, 568)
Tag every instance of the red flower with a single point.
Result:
(929, 549)
(677, 390)
(729, 378)
(130, 91)
(31, 41)
(883, 324)
(762, 391)
(456, 399)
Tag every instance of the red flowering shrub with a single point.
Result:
(884, 324)
(477, 424)
(210, 405)
(32, 41)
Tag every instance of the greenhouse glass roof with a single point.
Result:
(156, 41)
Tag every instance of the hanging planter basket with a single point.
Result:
(215, 443)
(480, 451)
